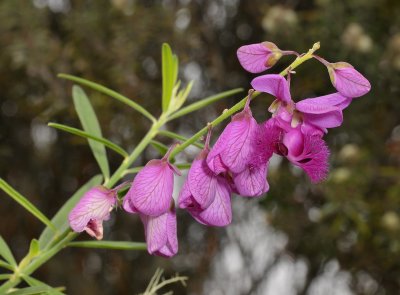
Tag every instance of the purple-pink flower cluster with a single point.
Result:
(238, 161)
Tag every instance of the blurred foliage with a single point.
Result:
(353, 216)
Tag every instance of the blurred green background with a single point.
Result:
(338, 237)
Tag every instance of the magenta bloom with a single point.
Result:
(315, 114)
(233, 149)
(252, 181)
(161, 233)
(201, 181)
(205, 195)
(347, 80)
(218, 213)
(256, 58)
(91, 210)
(151, 190)
(306, 151)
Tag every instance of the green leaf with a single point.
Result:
(84, 134)
(160, 147)
(182, 166)
(36, 283)
(60, 219)
(169, 74)
(5, 252)
(24, 202)
(91, 125)
(109, 92)
(174, 135)
(32, 290)
(116, 245)
(6, 265)
(203, 103)
(5, 277)
(179, 96)
(34, 248)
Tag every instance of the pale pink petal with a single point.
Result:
(128, 207)
(161, 233)
(202, 183)
(273, 84)
(151, 190)
(219, 213)
(91, 210)
(348, 81)
(252, 181)
(95, 229)
(254, 57)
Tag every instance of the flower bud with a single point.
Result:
(256, 58)
(347, 80)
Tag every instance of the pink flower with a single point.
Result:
(218, 213)
(259, 57)
(161, 233)
(306, 151)
(252, 181)
(347, 80)
(233, 149)
(91, 210)
(315, 114)
(204, 194)
(151, 190)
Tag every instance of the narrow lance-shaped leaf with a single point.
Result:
(60, 219)
(84, 134)
(5, 252)
(160, 147)
(36, 283)
(203, 103)
(91, 125)
(109, 92)
(117, 245)
(182, 166)
(169, 74)
(24, 202)
(6, 265)
(32, 290)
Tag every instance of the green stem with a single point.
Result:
(136, 152)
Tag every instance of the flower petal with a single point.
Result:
(219, 213)
(252, 181)
(151, 190)
(94, 206)
(273, 84)
(314, 158)
(333, 99)
(161, 233)
(327, 120)
(202, 183)
(234, 144)
(348, 81)
(253, 57)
